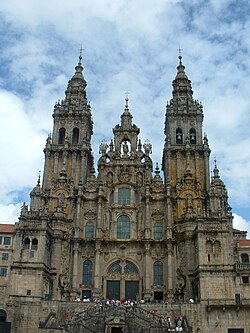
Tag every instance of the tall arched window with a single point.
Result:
(158, 230)
(87, 273)
(89, 230)
(123, 227)
(34, 244)
(27, 242)
(217, 248)
(61, 136)
(75, 136)
(192, 136)
(158, 273)
(244, 258)
(124, 196)
(179, 136)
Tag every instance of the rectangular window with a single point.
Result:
(124, 196)
(245, 279)
(1, 239)
(237, 299)
(5, 256)
(28, 292)
(3, 271)
(7, 241)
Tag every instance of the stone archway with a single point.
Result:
(122, 281)
(3, 315)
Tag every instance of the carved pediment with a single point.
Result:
(90, 215)
(157, 215)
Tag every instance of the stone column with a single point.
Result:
(207, 170)
(73, 168)
(97, 287)
(75, 280)
(56, 158)
(148, 272)
(147, 216)
(170, 270)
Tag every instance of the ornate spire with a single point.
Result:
(76, 98)
(181, 84)
(126, 117)
(182, 100)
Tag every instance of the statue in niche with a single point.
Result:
(109, 179)
(61, 199)
(125, 148)
(189, 201)
(139, 179)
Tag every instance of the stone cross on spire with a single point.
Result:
(180, 53)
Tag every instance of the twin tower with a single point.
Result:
(125, 232)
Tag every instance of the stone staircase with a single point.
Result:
(134, 319)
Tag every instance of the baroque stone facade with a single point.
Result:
(127, 233)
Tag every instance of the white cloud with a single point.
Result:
(9, 213)
(129, 46)
(240, 223)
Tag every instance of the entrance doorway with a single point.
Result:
(131, 290)
(116, 330)
(113, 290)
(158, 295)
(2, 315)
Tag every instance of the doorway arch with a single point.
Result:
(3, 315)
(122, 281)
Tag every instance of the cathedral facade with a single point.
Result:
(126, 232)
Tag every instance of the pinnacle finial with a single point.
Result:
(216, 170)
(126, 101)
(180, 55)
(80, 57)
(39, 178)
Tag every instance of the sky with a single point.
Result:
(128, 46)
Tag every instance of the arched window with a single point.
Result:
(87, 272)
(75, 136)
(192, 136)
(244, 258)
(158, 273)
(130, 268)
(123, 227)
(27, 242)
(124, 196)
(3, 315)
(61, 136)
(89, 230)
(217, 248)
(34, 244)
(158, 230)
(179, 136)
(115, 268)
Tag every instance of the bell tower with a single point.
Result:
(186, 151)
(197, 207)
(68, 150)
